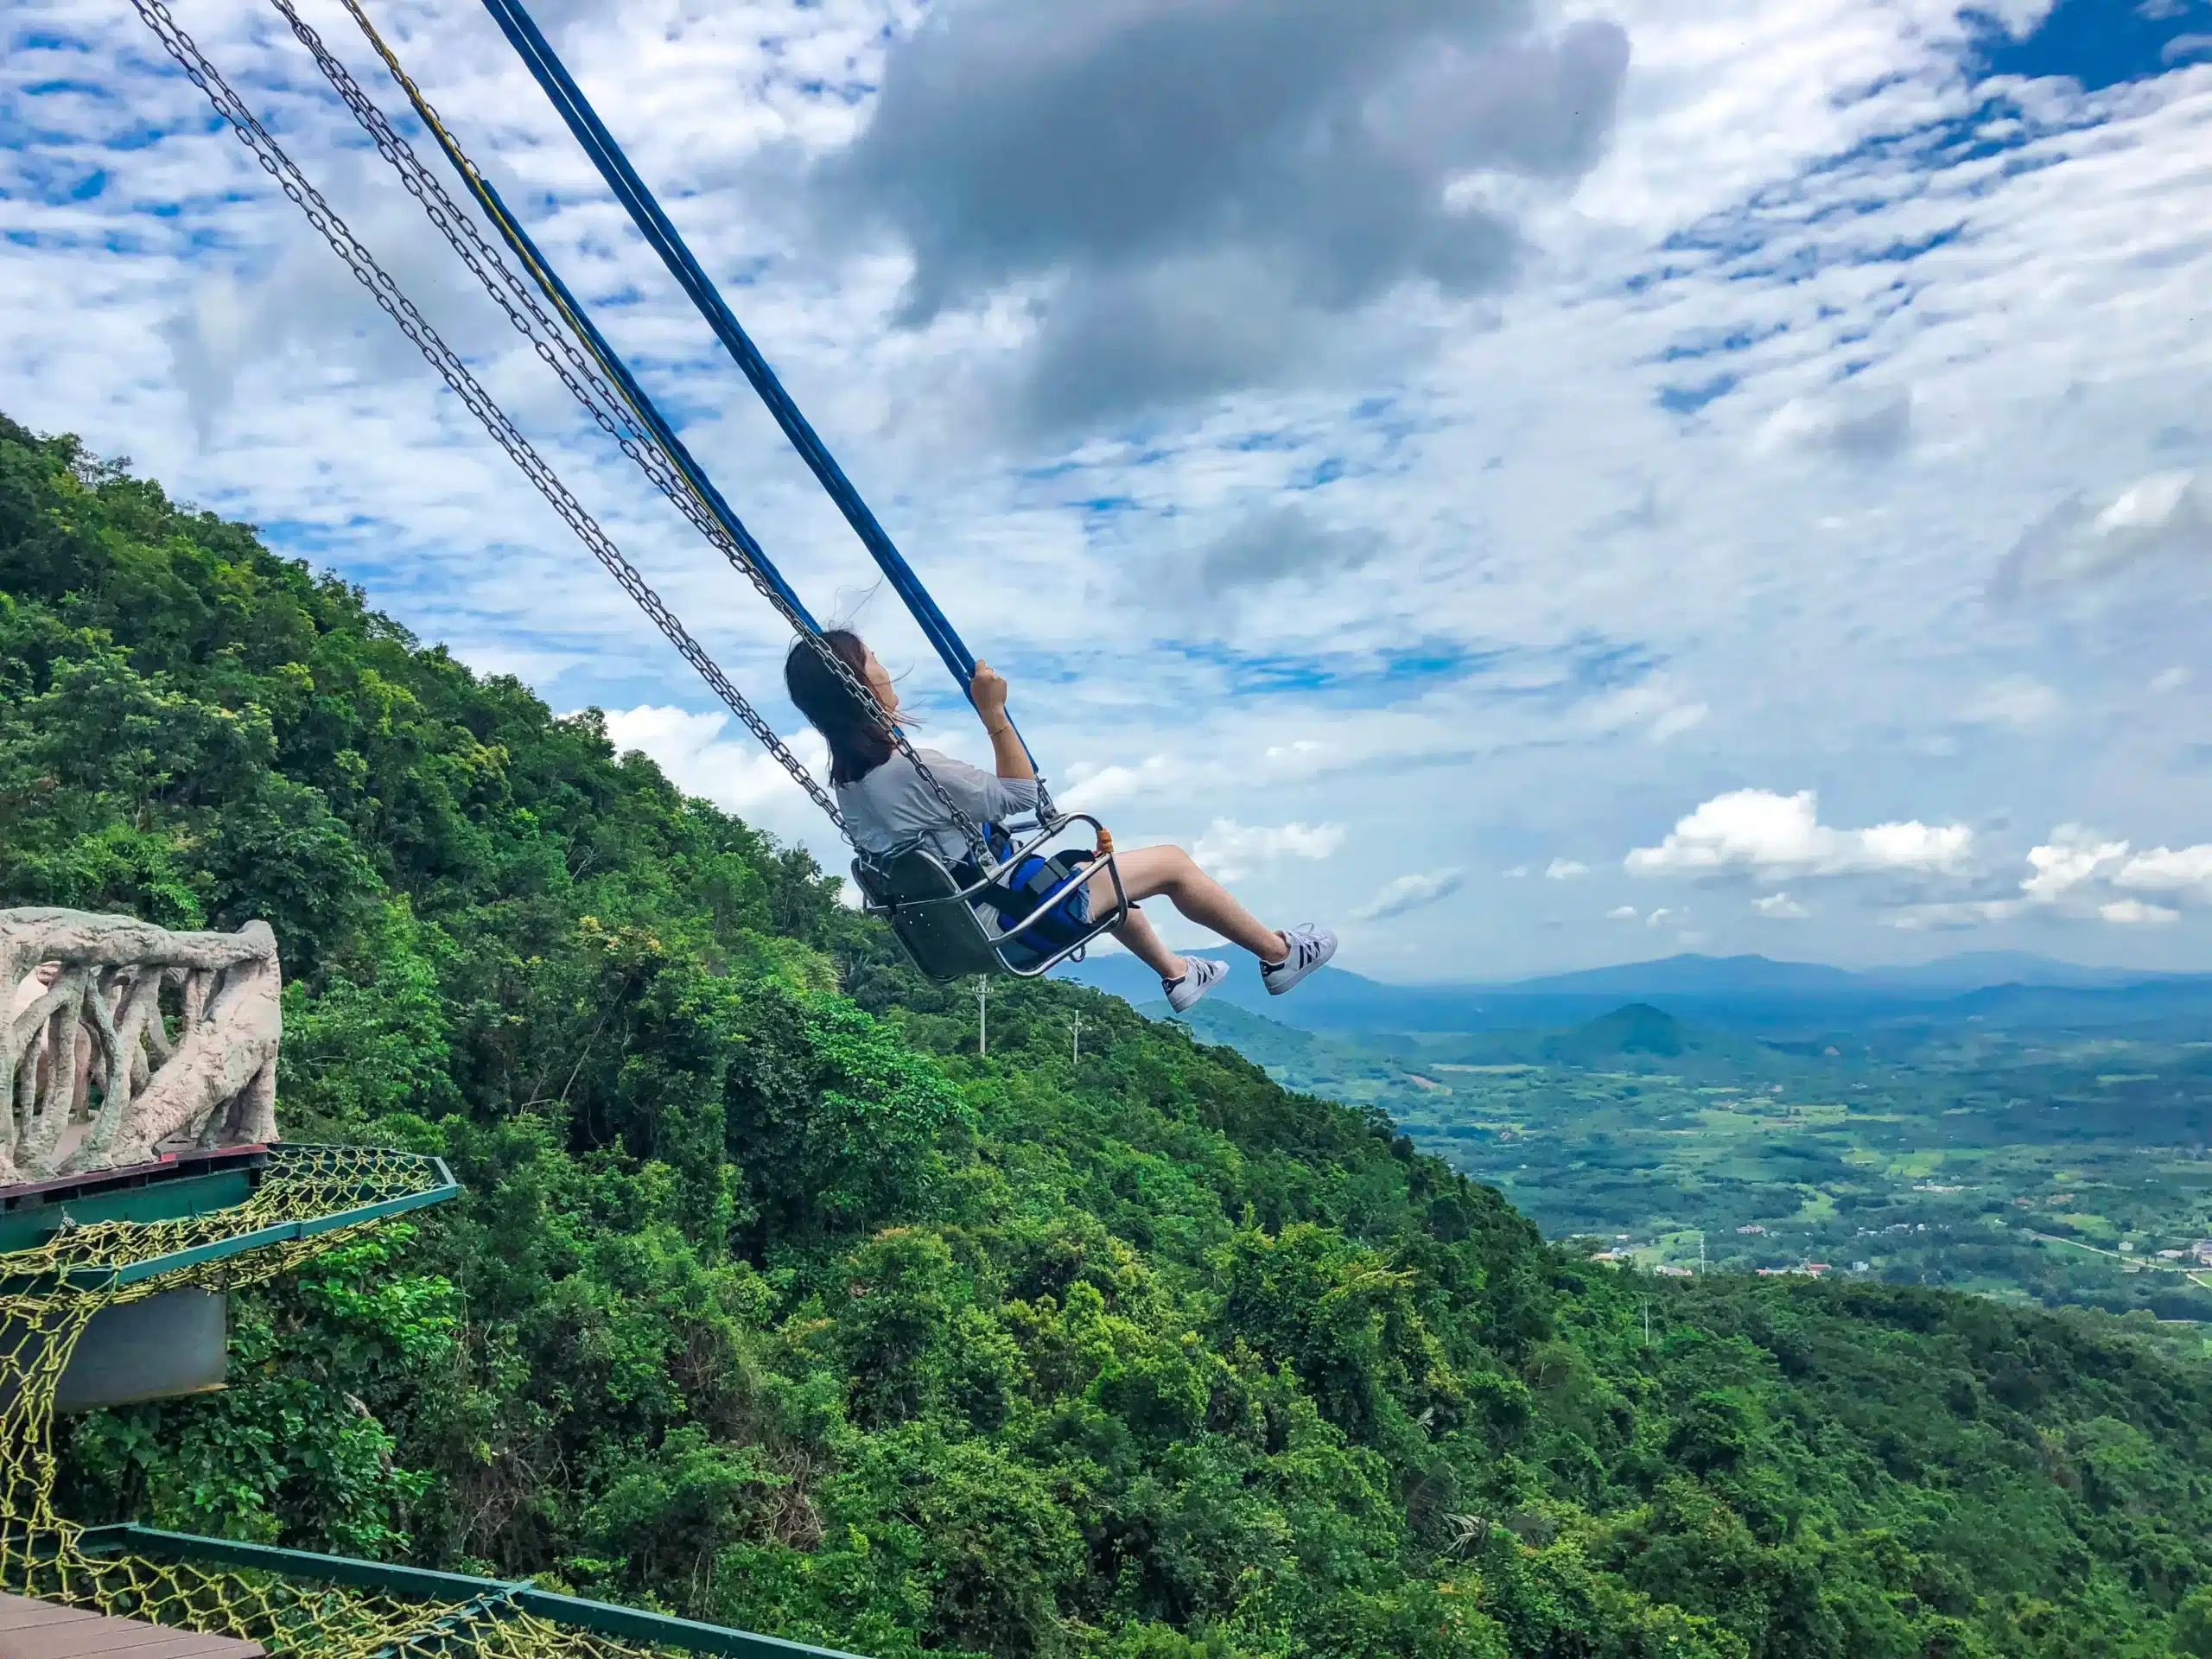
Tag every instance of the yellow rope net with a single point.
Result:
(308, 1199)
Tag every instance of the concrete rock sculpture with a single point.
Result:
(119, 1039)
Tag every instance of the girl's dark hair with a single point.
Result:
(858, 730)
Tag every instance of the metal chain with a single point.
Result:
(580, 375)
(456, 374)
(610, 409)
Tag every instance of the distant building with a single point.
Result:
(2171, 1255)
(1862, 1267)
(1752, 1231)
(2202, 1250)
(1676, 1273)
(1815, 1269)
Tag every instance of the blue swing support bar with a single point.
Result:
(653, 224)
(935, 913)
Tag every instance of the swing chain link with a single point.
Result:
(456, 374)
(610, 409)
(578, 375)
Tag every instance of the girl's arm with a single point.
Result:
(989, 691)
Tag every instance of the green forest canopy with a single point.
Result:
(770, 1304)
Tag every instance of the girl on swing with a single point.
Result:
(888, 805)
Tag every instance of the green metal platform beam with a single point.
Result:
(484, 1597)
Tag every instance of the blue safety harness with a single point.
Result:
(1024, 891)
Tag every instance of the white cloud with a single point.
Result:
(1624, 913)
(2020, 17)
(1659, 706)
(1780, 907)
(1758, 830)
(1230, 849)
(1953, 916)
(2134, 912)
(1518, 873)
(1096, 787)
(2173, 679)
(2165, 518)
(2186, 871)
(2157, 507)
(1409, 893)
(2021, 703)
(1565, 869)
(1661, 917)
(2063, 876)
(2075, 875)
(2074, 856)
(1860, 424)
(733, 773)
(1672, 724)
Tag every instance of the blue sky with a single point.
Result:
(1534, 485)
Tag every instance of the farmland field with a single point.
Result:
(2058, 1168)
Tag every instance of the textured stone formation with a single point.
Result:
(119, 1039)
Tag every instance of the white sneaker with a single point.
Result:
(1311, 947)
(1200, 975)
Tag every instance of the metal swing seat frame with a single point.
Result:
(945, 917)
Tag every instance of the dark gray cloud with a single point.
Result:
(1192, 182)
(1409, 894)
(1279, 544)
(1878, 427)
(1177, 331)
(1858, 423)
(1212, 578)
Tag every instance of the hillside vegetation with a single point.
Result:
(770, 1304)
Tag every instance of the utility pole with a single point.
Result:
(982, 1016)
(1701, 1252)
(1075, 1025)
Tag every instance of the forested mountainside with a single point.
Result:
(770, 1304)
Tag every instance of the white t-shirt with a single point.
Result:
(894, 806)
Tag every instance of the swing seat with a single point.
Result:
(948, 918)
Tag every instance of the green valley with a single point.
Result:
(770, 1302)
(2065, 1168)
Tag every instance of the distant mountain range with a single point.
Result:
(1761, 977)
(1723, 993)
(1348, 1065)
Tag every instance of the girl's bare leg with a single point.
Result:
(1171, 872)
(1141, 940)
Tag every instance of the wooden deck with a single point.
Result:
(37, 1629)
